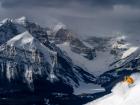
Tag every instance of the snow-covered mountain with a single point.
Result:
(113, 57)
(11, 27)
(95, 54)
(76, 45)
(57, 62)
(26, 56)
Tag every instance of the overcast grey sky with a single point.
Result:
(86, 17)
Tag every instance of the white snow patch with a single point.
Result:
(21, 40)
(120, 46)
(129, 52)
(88, 88)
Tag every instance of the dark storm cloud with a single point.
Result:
(86, 17)
(32, 3)
(49, 3)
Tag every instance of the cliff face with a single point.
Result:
(29, 62)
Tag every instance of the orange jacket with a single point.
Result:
(129, 80)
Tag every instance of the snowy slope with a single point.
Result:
(96, 66)
(27, 42)
(116, 49)
(122, 94)
(29, 36)
(123, 47)
(128, 52)
(25, 52)
(106, 51)
(100, 61)
(26, 45)
(88, 89)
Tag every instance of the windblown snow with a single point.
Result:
(58, 27)
(122, 94)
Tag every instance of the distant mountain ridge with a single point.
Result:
(107, 52)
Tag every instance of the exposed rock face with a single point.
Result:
(29, 62)
(99, 43)
(76, 45)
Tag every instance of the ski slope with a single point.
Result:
(122, 94)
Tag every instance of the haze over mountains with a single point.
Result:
(69, 52)
(87, 18)
(54, 63)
